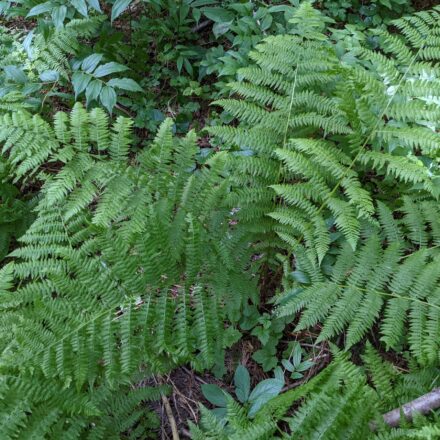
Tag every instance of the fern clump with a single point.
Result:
(380, 275)
(314, 127)
(319, 211)
(163, 303)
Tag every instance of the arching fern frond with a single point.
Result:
(378, 279)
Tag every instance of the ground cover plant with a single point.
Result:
(219, 220)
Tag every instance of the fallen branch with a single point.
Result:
(421, 405)
(171, 418)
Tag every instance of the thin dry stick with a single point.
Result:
(186, 433)
(421, 405)
(171, 418)
(195, 376)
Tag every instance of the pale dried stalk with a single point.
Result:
(422, 405)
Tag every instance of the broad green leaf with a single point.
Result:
(95, 5)
(42, 8)
(231, 334)
(280, 8)
(220, 413)
(218, 15)
(119, 7)
(188, 66)
(108, 98)
(16, 74)
(49, 76)
(30, 88)
(108, 68)
(4, 6)
(263, 334)
(263, 392)
(266, 22)
(386, 3)
(296, 375)
(221, 28)
(214, 394)
(80, 80)
(266, 387)
(288, 365)
(242, 382)
(93, 90)
(27, 42)
(196, 13)
(89, 63)
(75, 64)
(125, 84)
(183, 11)
(58, 15)
(296, 355)
(303, 366)
(179, 63)
(80, 6)
(199, 3)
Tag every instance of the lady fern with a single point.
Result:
(378, 277)
(140, 261)
(353, 120)
(86, 317)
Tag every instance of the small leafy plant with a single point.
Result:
(92, 77)
(294, 362)
(253, 399)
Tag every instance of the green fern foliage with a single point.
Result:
(312, 127)
(139, 257)
(52, 52)
(84, 316)
(380, 280)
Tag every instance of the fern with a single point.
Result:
(378, 277)
(315, 127)
(139, 261)
(52, 52)
(163, 303)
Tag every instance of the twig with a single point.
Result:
(321, 356)
(201, 26)
(421, 405)
(123, 110)
(171, 418)
(186, 433)
(45, 96)
(294, 385)
(195, 376)
(186, 399)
